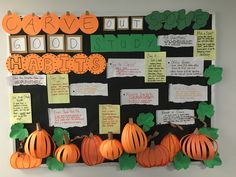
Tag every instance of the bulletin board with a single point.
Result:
(103, 42)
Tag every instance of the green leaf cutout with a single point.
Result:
(216, 161)
(145, 120)
(54, 165)
(205, 110)
(214, 74)
(127, 162)
(211, 132)
(58, 136)
(181, 161)
(200, 19)
(18, 132)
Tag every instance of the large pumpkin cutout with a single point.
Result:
(21, 160)
(88, 23)
(39, 143)
(171, 142)
(31, 24)
(153, 156)
(90, 150)
(11, 23)
(67, 153)
(133, 139)
(69, 23)
(111, 149)
(198, 146)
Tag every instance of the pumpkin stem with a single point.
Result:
(155, 134)
(9, 12)
(176, 126)
(131, 121)
(152, 145)
(196, 131)
(33, 14)
(48, 13)
(110, 135)
(66, 139)
(87, 12)
(90, 135)
(67, 12)
(38, 127)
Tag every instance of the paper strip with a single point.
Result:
(179, 93)
(139, 96)
(184, 67)
(175, 116)
(89, 89)
(17, 80)
(67, 117)
(125, 68)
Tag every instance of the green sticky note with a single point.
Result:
(58, 88)
(20, 108)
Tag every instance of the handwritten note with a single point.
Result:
(139, 96)
(67, 117)
(206, 44)
(20, 105)
(184, 67)
(179, 93)
(17, 80)
(175, 116)
(177, 40)
(89, 89)
(125, 68)
(155, 67)
(58, 88)
(109, 118)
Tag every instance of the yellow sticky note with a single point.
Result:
(155, 67)
(58, 88)
(20, 107)
(109, 118)
(206, 44)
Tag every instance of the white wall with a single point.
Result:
(224, 119)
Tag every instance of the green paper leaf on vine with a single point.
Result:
(54, 165)
(145, 120)
(58, 136)
(211, 132)
(18, 132)
(214, 74)
(171, 20)
(181, 161)
(205, 110)
(200, 19)
(127, 161)
(216, 161)
(155, 20)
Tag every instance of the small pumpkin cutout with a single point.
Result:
(31, 24)
(171, 142)
(67, 153)
(90, 150)
(69, 23)
(50, 23)
(88, 23)
(111, 149)
(133, 139)
(11, 23)
(39, 143)
(153, 156)
(21, 160)
(198, 146)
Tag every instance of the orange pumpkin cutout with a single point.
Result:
(39, 143)
(49, 63)
(90, 150)
(198, 146)
(64, 63)
(133, 139)
(15, 64)
(111, 149)
(171, 142)
(67, 153)
(69, 23)
(88, 23)
(21, 160)
(11, 23)
(96, 63)
(33, 63)
(80, 65)
(153, 156)
(31, 24)
(50, 23)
